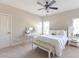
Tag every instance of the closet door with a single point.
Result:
(5, 30)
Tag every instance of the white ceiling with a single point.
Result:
(32, 6)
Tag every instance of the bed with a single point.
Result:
(56, 42)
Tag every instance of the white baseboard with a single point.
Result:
(13, 44)
(17, 43)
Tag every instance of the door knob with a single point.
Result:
(9, 32)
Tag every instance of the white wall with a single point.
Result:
(20, 20)
(62, 20)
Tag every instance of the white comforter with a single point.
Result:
(58, 41)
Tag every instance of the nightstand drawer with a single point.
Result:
(73, 43)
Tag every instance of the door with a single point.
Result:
(5, 30)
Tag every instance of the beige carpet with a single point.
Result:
(25, 51)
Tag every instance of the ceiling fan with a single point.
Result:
(47, 5)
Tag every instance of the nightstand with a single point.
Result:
(74, 41)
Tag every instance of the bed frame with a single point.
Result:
(48, 48)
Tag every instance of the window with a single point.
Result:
(76, 26)
(39, 28)
(46, 26)
(43, 28)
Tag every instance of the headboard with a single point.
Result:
(58, 32)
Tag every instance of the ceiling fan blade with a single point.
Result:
(53, 8)
(40, 4)
(52, 2)
(41, 8)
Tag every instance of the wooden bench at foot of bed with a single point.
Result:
(45, 46)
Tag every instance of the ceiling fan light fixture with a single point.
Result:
(48, 5)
